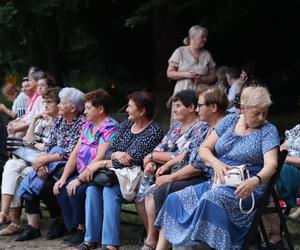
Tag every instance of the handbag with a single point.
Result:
(181, 163)
(105, 177)
(235, 176)
(129, 179)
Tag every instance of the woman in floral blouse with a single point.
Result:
(63, 137)
(96, 136)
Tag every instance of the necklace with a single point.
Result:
(186, 127)
(195, 54)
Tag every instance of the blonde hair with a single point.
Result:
(256, 96)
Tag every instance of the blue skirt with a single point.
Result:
(203, 214)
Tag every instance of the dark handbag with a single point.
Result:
(105, 177)
(182, 163)
(177, 167)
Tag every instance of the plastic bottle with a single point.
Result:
(144, 185)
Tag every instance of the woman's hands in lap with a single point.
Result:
(72, 186)
(43, 172)
(246, 187)
(164, 179)
(41, 160)
(58, 185)
(220, 172)
(150, 168)
(164, 169)
(122, 157)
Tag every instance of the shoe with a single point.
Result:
(77, 238)
(29, 233)
(55, 230)
(68, 236)
(11, 229)
(148, 247)
(86, 246)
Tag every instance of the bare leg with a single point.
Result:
(81, 227)
(15, 213)
(162, 243)
(141, 210)
(5, 203)
(33, 220)
(272, 226)
(152, 235)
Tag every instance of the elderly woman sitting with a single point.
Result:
(95, 138)
(212, 215)
(16, 169)
(212, 104)
(136, 138)
(38, 82)
(63, 136)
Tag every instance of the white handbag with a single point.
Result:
(129, 178)
(235, 176)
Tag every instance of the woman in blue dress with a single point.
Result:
(212, 215)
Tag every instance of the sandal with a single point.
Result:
(4, 219)
(11, 229)
(148, 247)
(86, 246)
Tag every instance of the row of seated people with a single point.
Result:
(91, 213)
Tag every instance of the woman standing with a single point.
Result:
(192, 66)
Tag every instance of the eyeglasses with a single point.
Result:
(200, 104)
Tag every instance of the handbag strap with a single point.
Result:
(168, 188)
(252, 200)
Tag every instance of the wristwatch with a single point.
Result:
(78, 179)
(150, 156)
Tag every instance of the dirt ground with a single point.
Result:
(130, 236)
(8, 242)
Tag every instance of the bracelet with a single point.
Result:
(105, 163)
(259, 178)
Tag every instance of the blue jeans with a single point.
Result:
(103, 212)
(72, 207)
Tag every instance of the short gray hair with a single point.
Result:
(194, 31)
(75, 97)
(256, 96)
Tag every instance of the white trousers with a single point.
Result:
(14, 172)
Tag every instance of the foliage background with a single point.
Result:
(124, 45)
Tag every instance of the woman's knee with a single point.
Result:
(13, 166)
(112, 193)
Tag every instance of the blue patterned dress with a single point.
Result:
(201, 213)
